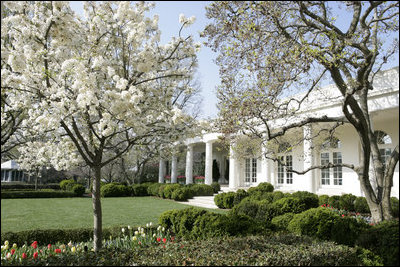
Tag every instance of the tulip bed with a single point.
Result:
(159, 248)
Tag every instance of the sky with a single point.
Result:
(208, 72)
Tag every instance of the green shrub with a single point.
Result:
(139, 190)
(383, 240)
(346, 202)
(78, 189)
(208, 225)
(288, 204)
(246, 207)
(325, 224)
(160, 192)
(216, 187)
(24, 186)
(114, 190)
(266, 211)
(334, 201)
(181, 222)
(323, 199)
(152, 189)
(67, 185)
(395, 206)
(182, 194)
(281, 222)
(36, 194)
(228, 199)
(219, 200)
(202, 190)
(361, 205)
(239, 195)
(310, 200)
(262, 187)
(169, 189)
(51, 236)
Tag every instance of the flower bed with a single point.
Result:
(38, 255)
(167, 179)
(199, 179)
(181, 179)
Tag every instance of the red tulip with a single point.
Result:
(158, 239)
(12, 251)
(49, 246)
(34, 244)
(164, 240)
(24, 255)
(57, 250)
(35, 255)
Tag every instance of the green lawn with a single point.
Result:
(63, 213)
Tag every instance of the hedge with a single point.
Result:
(36, 194)
(20, 186)
(51, 236)
(383, 240)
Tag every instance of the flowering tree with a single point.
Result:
(92, 87)
(270, 50)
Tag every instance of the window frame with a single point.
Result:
(335, 174)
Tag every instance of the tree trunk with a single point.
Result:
(97, 213)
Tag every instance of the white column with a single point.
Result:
(307, 148)
(209, 161)
(174, 171)
(265, 166)
(232, 169)
(189, 165)
(161, 171)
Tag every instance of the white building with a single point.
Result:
(11, 172)
(383, 104)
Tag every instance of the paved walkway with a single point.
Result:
(205, 201)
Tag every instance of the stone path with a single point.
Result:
(205, 201)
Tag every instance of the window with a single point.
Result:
(251, 171)
(285, 164)
(384, 143)
(330, 152)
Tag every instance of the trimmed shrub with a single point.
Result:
(326, 225)
(219, 200)
(114, 190)
(78, 190)
(288, 204)
(383, 240)
(36, 194)
(239, 195)
(263, 187)
(208, 225)
(24, 186)
(334, 201)
(216, 187)
(323, 199)
(51, 236)
(182, 194)
(67, 185)
(281, 222)
(202, 190)
(361, 205)
(139, 190)
(160, 192)
(346, 202)
(168, 189)
(228, 199)
(246, 207)
(310, 200)
(395, 206)
(181, 222)
(152, 189)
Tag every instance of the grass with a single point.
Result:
(66, 213)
